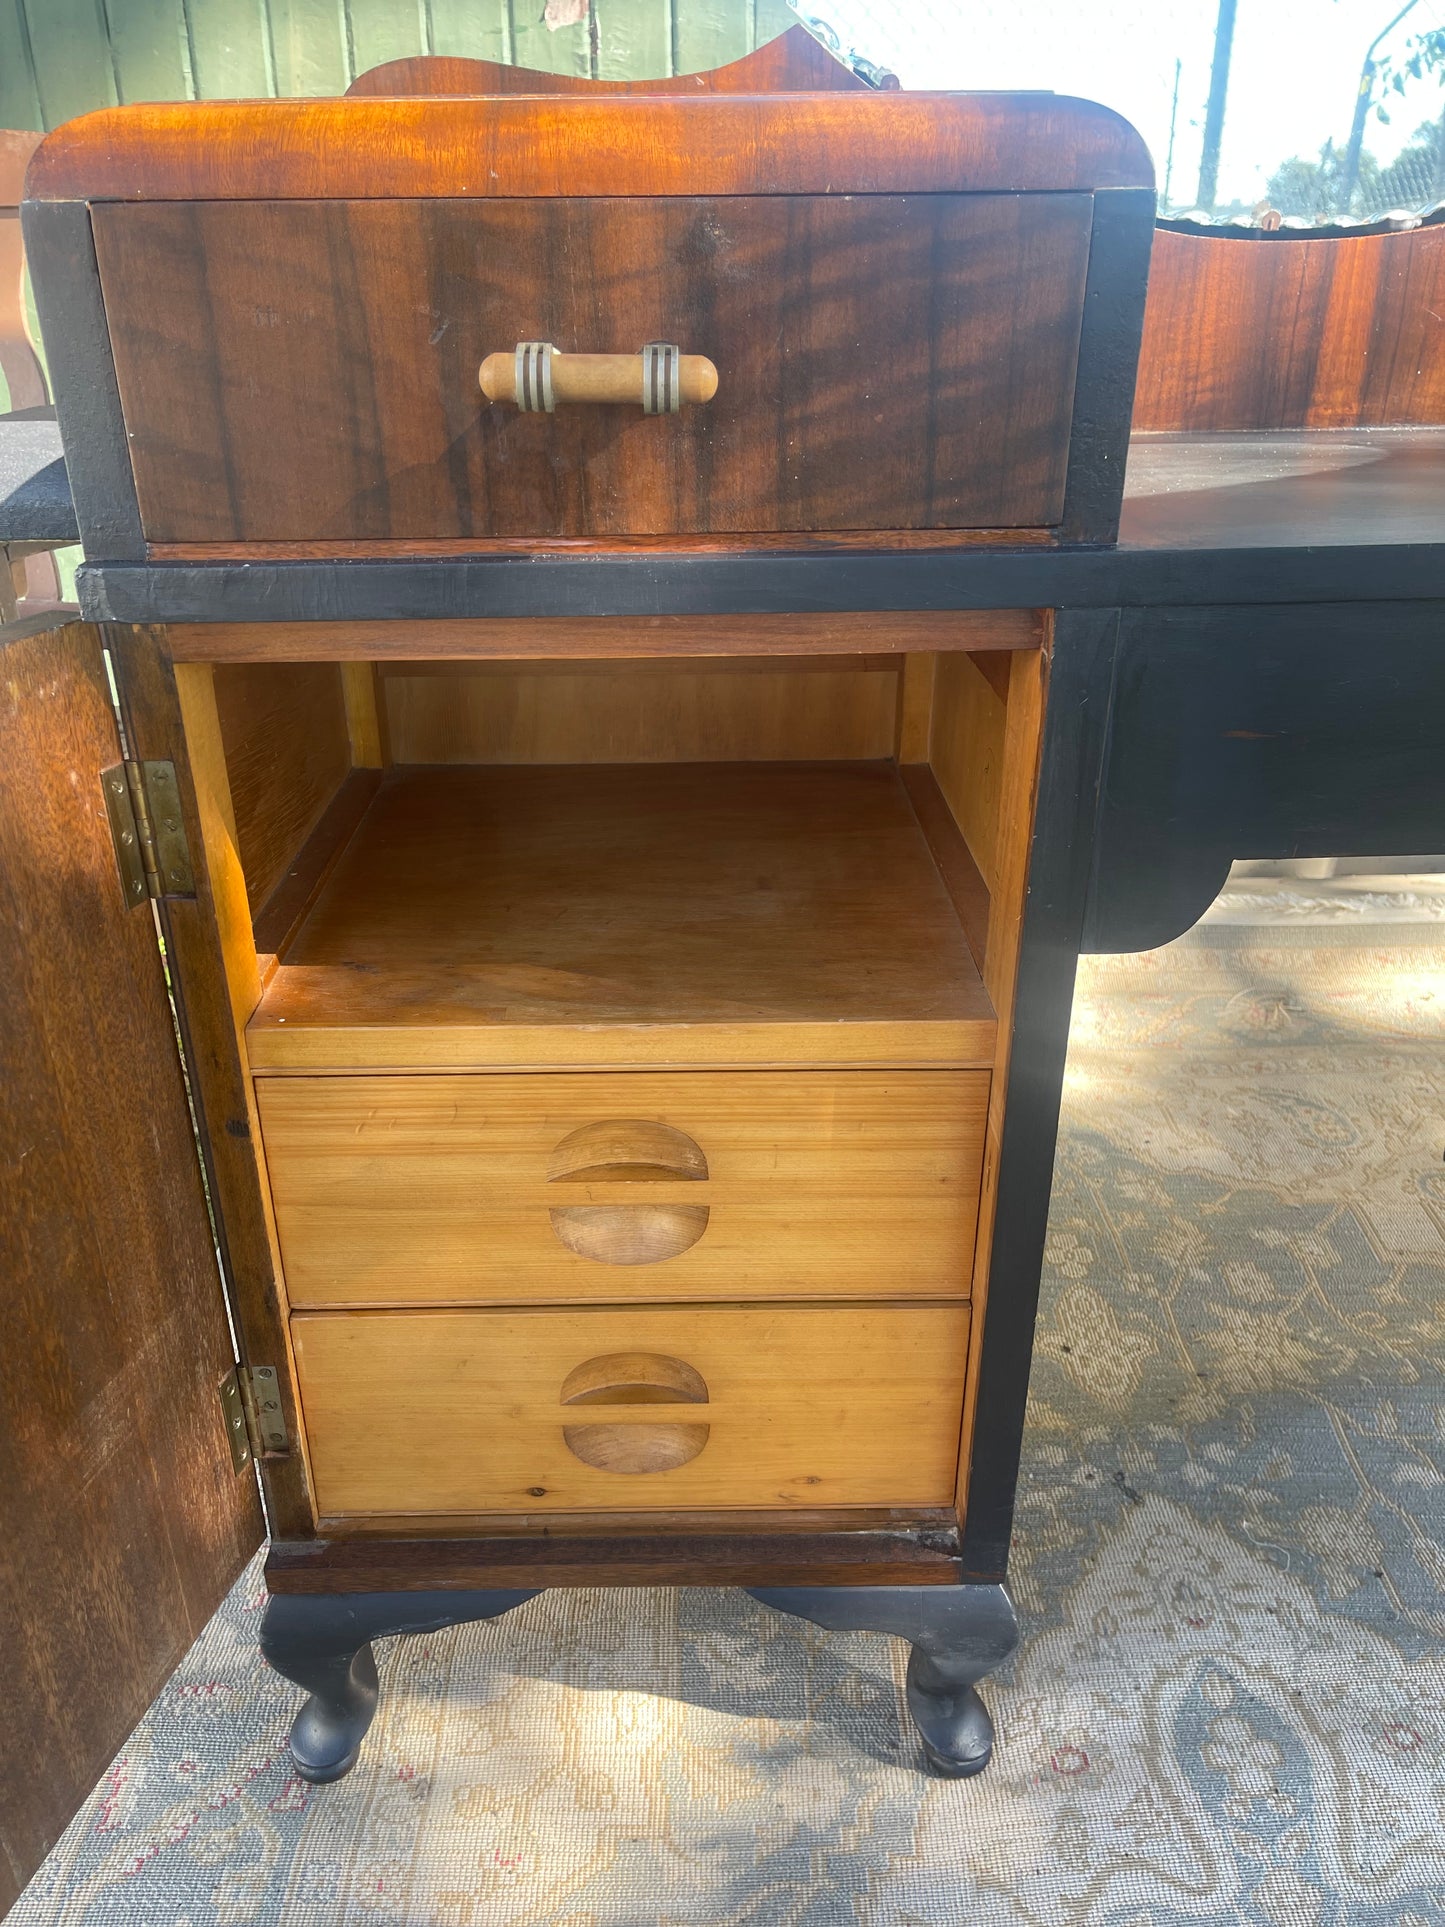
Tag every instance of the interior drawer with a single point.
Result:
(723, 1406)
(304, 370)
(429, 1189)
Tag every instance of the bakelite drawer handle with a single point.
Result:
(635, 1378)
(628, 1151)
(537, 376)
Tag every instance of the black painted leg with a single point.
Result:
(958, 1634)
(322, 1641)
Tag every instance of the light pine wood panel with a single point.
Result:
(365, 715)
(525, 638)
(396, 1190)
(630, 712)
(1028, 689)
(287, 750)
(644, 915)
(913, 736)
(967, 754)
(461, 1411)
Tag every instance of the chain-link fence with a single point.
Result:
(1312, 110)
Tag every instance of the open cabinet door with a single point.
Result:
(122, 1517)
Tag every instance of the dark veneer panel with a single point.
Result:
(308, 370)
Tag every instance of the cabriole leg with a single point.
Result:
(322, 1642)
(958, 1634)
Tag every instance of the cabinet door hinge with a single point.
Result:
(143, 804)
(251, 1408)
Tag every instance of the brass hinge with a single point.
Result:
(251, 1405)
(151, 852)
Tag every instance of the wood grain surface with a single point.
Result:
(308, 369)
(786, 710)
(416, 1190)
(1343, 332)
(844, 1546)
(819, 143)
(527, 638)
(170, 712)
(461, 1411)
(794, 62)
(284, 730)
(653, 914)
(123, 1522)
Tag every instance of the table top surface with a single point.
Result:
(1366, 490)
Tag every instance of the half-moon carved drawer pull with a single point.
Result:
(635, 1378)
(537, 377)
(628, 1151)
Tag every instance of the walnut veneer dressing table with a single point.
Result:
(621, 881)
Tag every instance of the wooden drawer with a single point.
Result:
(301, 370)
(429, 1189)
(726, 1406)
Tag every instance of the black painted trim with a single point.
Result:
(1239, 732)
(1076, 731)
(61, 251)
(752, 584)
(1114, 292)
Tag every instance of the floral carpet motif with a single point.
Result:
(1229, 1702)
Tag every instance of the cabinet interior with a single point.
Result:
(794, 869)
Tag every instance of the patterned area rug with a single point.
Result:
(1229, 1705)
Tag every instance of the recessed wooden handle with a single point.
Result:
(537, 377)
(628, 1151)
(635, 1378)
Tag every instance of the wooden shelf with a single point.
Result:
(697, 914)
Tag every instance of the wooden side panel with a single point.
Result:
(1018, 792)
(308, 370)
(967, 753)
(214, 974)
(634, 712)
(1310, 333)
(284, 729)
(122, 1519)
(462, 1411)
(416, 1190)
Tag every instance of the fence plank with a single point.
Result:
(148, 50)
(309, 37)
(548, 50)
(73, 69)
(19, 94)
(635, 38)
(230, 51)
(473, 29)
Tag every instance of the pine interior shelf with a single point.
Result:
(641, 915)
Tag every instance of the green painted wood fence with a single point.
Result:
(60, 58)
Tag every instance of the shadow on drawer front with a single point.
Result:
(309, 370)
(722, 1406)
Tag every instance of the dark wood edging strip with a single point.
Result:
(754, 585)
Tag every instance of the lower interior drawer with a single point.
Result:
(670, 1408)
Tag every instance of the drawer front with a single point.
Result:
(308, 370)
(536, 1411)
(415, 1190)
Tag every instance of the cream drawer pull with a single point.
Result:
(635, 1378)
(628, 1151)
(537, 376)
